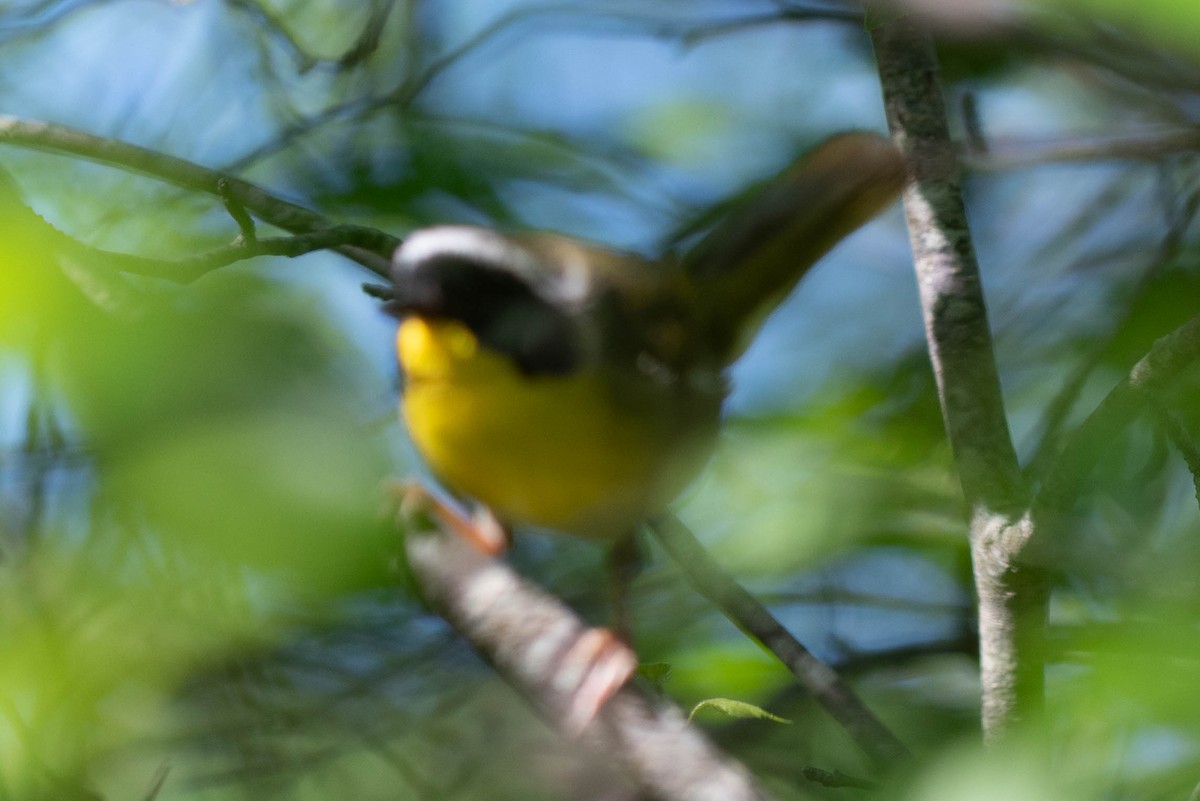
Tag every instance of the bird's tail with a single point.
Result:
(758, 251)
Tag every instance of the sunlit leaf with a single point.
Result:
(738, 710)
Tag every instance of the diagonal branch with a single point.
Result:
(570, 15)
(826, 686)
(1154, 372)
(523, 632)
(1148, 145)
(190, 268)
(283, 214)
(1182, 440)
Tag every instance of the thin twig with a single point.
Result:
(1151, 145)
(40, 19)
(372, 250)
(368, 38)
(237, 211)
(620, 22)
(1083, 449)
(835, 778)
(826, 686)
(842, 597)
(157, 781)
(1179, 216)
(403, 94)
(1183, 442)
(190, 268)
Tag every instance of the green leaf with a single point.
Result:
(736, 709)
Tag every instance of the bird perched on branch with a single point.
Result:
(564, 385)
(561, 384)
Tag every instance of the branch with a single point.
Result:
(369, 37)
(1150, 145)
(237, 211)
(1183, 443)
(830, 691)
(1179, 215)
(524, 633)
(1167, 358)
(835, 778)
(373, 248)
(274, 24)
(157, 781)
(404, 93)
(39, 18)
(191, 268)
(619, 23)
(1011, 596)
(956, 325)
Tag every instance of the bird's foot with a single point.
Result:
(479, 527)
(603, 663)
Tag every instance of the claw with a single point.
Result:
(487, 532)
(603, 664)
(480, 528)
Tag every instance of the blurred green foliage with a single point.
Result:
(1175, 23)
(196, 554)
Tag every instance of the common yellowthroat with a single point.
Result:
(565, 385)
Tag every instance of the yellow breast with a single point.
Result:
(577, 452)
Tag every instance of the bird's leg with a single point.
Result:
(487, 532)
(625, 561)
(479, 527)
(596, 664)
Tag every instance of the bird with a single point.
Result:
(566, 385)
(569, 386)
